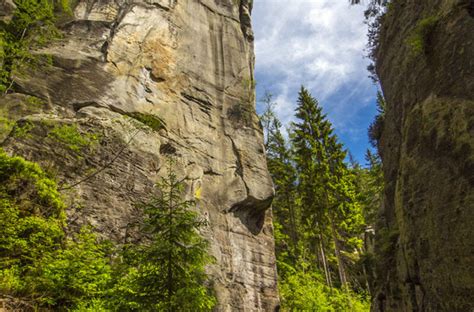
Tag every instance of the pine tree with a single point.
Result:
(311, 166)
(326, 188)
(167, 272)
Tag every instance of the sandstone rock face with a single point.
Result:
(426, 233)
(189, 65)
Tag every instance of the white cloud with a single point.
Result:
(319, 44)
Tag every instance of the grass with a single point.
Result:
(72, 138)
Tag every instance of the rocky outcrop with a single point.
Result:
(426, 236)
(142, 81)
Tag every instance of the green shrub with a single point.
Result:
(76, 274)
(95, 305)
(149, 120)
(307, 291)
(71, 138)
(55, 272)
(418, 39)
(37, 261)
(6, 125)
(22, 129)
(375, 129)
(32, 217)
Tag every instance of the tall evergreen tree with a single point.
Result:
(326, 188)
(311, 163)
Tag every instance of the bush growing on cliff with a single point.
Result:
(419, 37)
(374, 13)
(43, 268)
(376, 127)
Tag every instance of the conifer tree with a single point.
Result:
(312, 167)
(167, 272)
(325, 184)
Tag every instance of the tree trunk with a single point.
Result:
(325, 262)
(294, 234)
(340, 263)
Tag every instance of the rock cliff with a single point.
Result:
(425, 61)
(141, 81)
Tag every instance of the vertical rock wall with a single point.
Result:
(426, 232)
(188, 63)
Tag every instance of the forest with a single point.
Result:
(324, 211)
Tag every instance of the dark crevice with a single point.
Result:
(251, 213)
(238, 163)
(210, 172)
(204, 105)
(167, 149)
(245, 19)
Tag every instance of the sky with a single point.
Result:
(319, 44)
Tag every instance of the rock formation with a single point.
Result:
(142, 81)
(425, 61)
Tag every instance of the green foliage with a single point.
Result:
(32, 218)
(6, 125)
(149, 120)
(369, 187)
(55, 271)
(284, 176)
(71, 138)
(77, 273)
(307, 291)
(418, 39)
(22, 129)
(166, 273)
(94, 305)
(374, 14)
(24, 184)
(318, 216)
(34, 102)
(325, 184)
(32, 26)
(376, 127)
(37, 261)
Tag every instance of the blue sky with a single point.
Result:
(319, 44)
